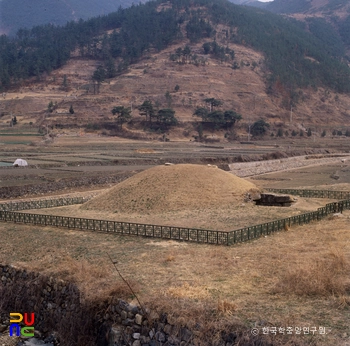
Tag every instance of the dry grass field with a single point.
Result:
(295, 278)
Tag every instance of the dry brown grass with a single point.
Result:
(226, 307)
(96, 281)
(170, 258)
(186, 290)
(220, 288)
(322, 276)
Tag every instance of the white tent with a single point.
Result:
(20, 163)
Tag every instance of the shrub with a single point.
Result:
(280, 133)
(259, 128)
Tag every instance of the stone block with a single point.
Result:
(136, 336)
(138, 319)
(185, 334)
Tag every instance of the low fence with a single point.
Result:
(44, 203)
(256, 231)
(166, 232)
(123, 228)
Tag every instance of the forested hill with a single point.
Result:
(16, 14)
(321, 16)
(294, 57)
(325, 7)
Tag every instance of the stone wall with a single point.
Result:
(63, 314)
(246, 169)
(59, 307)
(57, 304)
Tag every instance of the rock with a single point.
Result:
(168, 329)
(334, 176)
(271, 199)
(123, 305)
(160, 336)
(136, 343)
(136, 328)
(124, 315)
(185, 334)
(3, 327)
(163, 318)
(160, 327)
(173, 340)
(145, 331)
(144, 339)
(136, 336)
(229, 337)
(35, 342)
(134, 309)
(37, 334)
(114, 335)
(128, 322)
(138, 319)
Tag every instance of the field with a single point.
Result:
(295, 278)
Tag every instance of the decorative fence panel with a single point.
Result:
(40, 204)
(125, 228)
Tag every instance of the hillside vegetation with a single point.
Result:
(16, 14)
(293, 56)
(332, 17)
(304, 6)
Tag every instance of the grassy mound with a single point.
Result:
(175, 187)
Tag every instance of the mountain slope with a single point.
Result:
(329, 20)
(16, 14)
(325, 7)
(293, 57)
